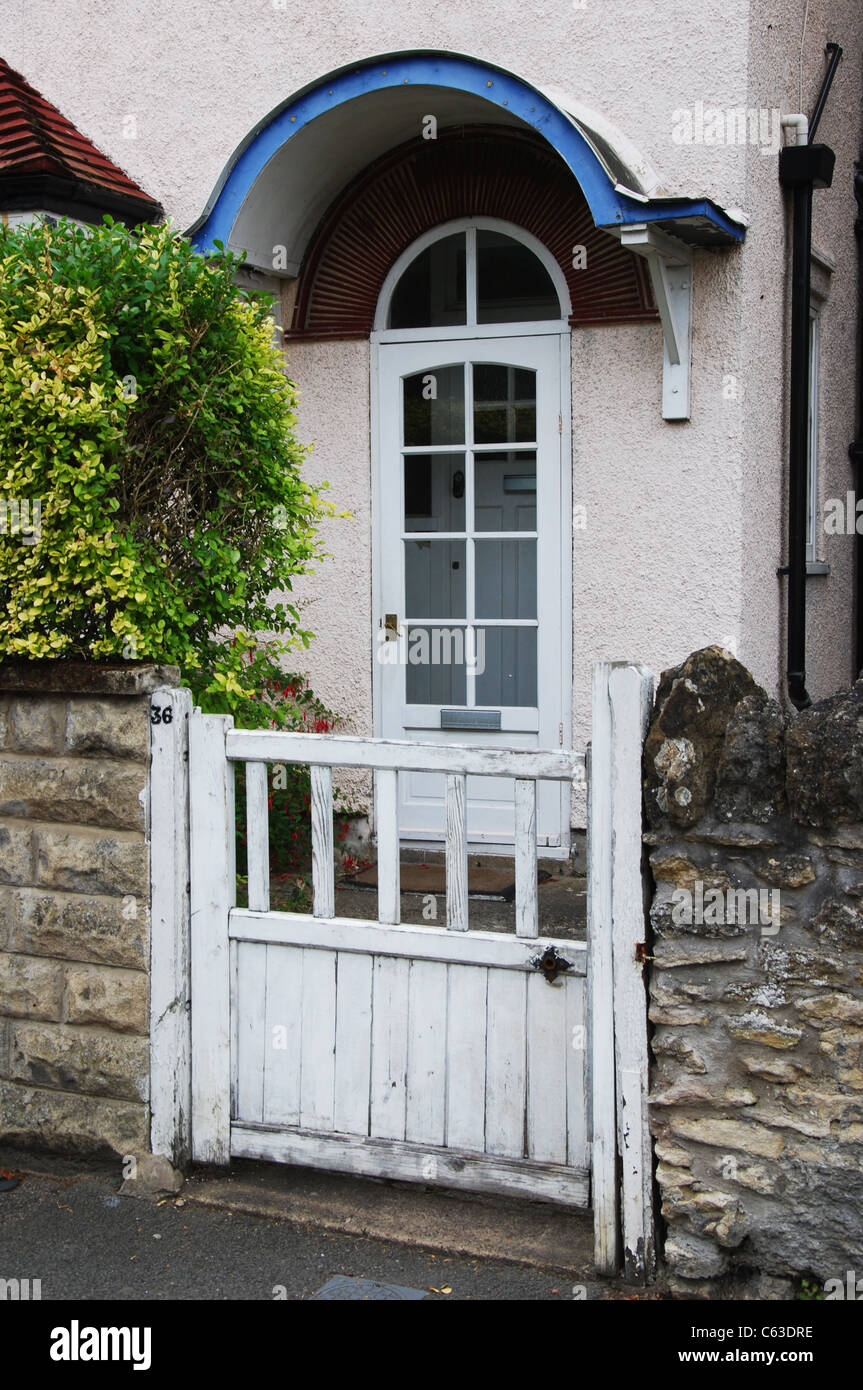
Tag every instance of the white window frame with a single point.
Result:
(471, 329)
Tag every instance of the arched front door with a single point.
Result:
(473, 533)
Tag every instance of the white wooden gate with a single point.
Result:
(437, 1054)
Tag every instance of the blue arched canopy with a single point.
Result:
(280, 181)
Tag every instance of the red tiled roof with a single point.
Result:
(36, 139)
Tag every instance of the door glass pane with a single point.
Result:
(505, 579)
(504, 404)
(513, 286)
(506, 666)
(434, 406)
(434, 492)
(505, 491)
(435, 666)
(431, 292)
(434, 579)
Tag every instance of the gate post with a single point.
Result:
(170, 1044)
(213, 894)
(622, 699)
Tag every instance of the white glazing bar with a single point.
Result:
(387, 829)
(526, 894)
(456, 853)
(257, 837)
(323, 886)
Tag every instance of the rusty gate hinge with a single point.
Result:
(641, 953)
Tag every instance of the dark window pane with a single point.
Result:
(431, 292)
(504, 404)
(434, 579)
(434, 406)
(506, 666)
(434, 492)
(505, 491)
(505, 579)
(435, 666)
(513, 286)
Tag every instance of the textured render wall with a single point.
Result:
(74, 918)
(786, 73)
(757, 1074)
(199, 74)
(715, 485)
(333, 416)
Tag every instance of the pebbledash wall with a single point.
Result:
(75, 905)
(757, 1039)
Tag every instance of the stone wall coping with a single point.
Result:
(85, 677)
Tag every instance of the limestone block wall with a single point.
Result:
(756, 1002)
(75, 905)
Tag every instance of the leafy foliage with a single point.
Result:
(143, 403)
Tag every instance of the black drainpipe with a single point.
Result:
(802, 168)
(856, 450)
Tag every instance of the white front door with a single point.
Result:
(470, 612)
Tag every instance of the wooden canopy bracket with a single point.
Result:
(670, 265)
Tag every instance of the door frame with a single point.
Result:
(558, 329)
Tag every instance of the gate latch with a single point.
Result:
(551, 964)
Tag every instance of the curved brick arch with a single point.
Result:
(481, 172)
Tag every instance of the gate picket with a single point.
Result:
(283, 1017)
(546, 1069)
(465, 1033)
(506, 1063)
(353, 1042)
(425, 1120)
(389, 1047)
(318, 1040)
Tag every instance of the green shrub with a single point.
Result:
(144, 406)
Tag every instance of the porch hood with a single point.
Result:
(280, 181)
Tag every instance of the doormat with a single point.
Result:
(366, 1290)
(431, 878)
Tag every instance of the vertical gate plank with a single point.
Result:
(577, 1140)
(456, 853)
(318, 1029)
(606, 1233)
(387, 830)
(323, 886)
(506, 1063)
(283, 1021)
(630, 696)
(257, 837)
(425, 1120)
(546, 1070)
(250, 1037)
(170, 1039)
(353, 1042)
(465, 1062)
(526, 894)
(389, 1047)
(213, 894)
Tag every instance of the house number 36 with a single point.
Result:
(161, 714)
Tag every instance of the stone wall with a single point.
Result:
(75, 905)
(756, 1003)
